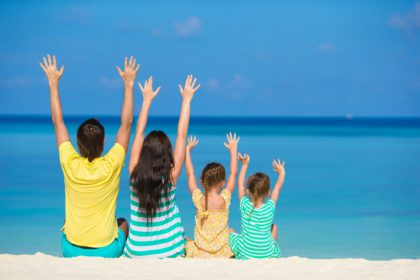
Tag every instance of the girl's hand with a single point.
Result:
(279, 167)
(232, 141)
(50, 69)
(244, 159)
(147, 90)
(189, 89)
(130, 71)
(192, 143)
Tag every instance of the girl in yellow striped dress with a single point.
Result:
(211, 234)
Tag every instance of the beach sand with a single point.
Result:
(40, 266)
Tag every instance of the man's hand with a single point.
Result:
(189, 88)
(50, 69)
(53, 75)
(130, 71)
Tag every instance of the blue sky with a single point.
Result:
(268, 58)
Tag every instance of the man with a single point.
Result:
(91, 180)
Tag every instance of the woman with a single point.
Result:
(155, 227)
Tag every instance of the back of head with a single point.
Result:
(258, 185)
(212, 175)
(90, 139)
(152, 175)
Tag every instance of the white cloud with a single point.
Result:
(326, 47)
(409, 23)
(192, 26)
(109, 83)
(75, 14)
(233, 89)
(238, 82)
(18, 81)
(213, 84)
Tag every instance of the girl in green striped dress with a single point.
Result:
(258, 238)
(155, 226)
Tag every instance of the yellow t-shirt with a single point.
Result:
(91, 195)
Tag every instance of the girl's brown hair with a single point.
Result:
(213, 174)
(259, 187)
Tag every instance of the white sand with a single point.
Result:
(40, 266)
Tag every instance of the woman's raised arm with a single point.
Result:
(179, 152)
(148, 96)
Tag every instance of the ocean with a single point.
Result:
(352, 187)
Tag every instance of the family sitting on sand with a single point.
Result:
(155, 230)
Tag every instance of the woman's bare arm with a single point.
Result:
(179, 152)
(148, 96)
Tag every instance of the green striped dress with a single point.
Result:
(255, 241)
(163, 237)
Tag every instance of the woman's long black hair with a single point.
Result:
(151, 178)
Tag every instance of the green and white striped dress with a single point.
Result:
(163, 237)
(255, 241)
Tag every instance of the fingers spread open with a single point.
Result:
(54, 61)
(42, 66)
(125, 62)
(49, 60)
(156, 91)
(119, 71)
(194, 89)
(61, 70)
(141, 88)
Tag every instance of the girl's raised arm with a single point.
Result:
(279, 169)
(179, 152)
(192, 182)
(148, 95)
(242, 175)
(232, 146)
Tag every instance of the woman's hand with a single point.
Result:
(232, 141)
(130, 71)
(244, 159)
(192, 143)
(147, 90)
(189, 89)
(50, 69)
(279, 167)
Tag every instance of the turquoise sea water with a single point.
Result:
(352, 186)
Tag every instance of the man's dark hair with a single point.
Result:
(90, 139)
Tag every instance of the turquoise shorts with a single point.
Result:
(113, 250)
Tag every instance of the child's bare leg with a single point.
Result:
(274, 230)
(231, 230)
(122, 224)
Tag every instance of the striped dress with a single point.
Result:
(163, 237)
(255, 241)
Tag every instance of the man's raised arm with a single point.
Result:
(54, 75)
(128, 75)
